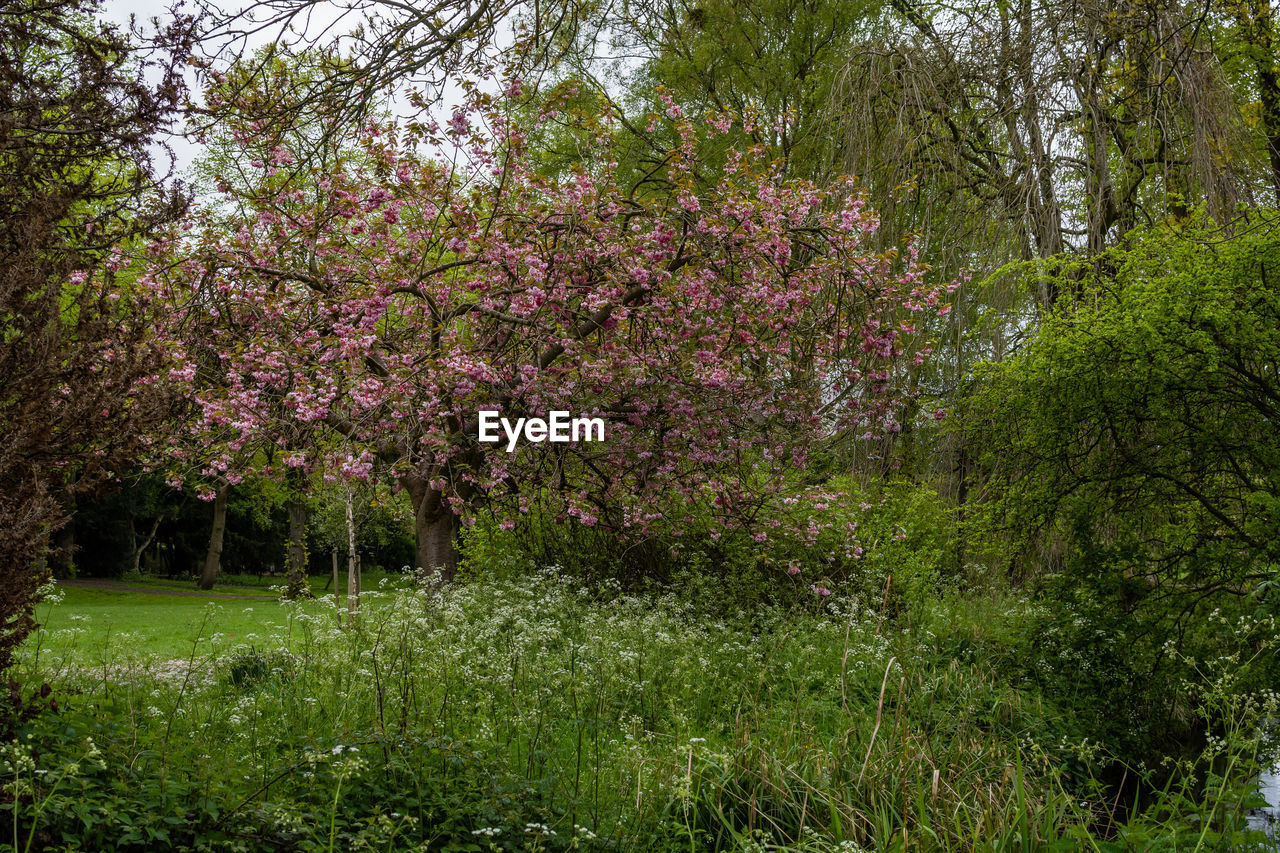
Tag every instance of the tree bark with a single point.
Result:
(435, 527)
(138, 549)
(213, 557)
(296, 585)
(337, 593)
(1256, 20)
(437, 545)
(353, 563)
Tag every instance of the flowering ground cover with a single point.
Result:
(535, 714)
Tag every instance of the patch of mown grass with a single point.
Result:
(96, 626)
(269, 585)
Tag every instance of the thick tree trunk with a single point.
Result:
(213, 557)
(437, 545)
(296, 585)
(435, 527)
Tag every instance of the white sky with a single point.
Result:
(120, 11)
(322, 16)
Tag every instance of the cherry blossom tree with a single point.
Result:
(368, 315)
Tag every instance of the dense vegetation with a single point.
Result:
(938, 352)
(531, 714)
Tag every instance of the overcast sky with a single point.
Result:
(321, 18)
(120, 11)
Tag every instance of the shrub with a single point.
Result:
(855, 540)
(1138, 422)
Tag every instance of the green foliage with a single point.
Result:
(529, 715)
(904, 531)
(383, 521)
(773, 62)
(109, 529)
(773, 65)
(1138, 423)
(249, 667)
(1134, 466)
(1134, 475)
(88, 802)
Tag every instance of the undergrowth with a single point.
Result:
(531, 714)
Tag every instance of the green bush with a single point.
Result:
(1137, 426)
(862, 538)
(1133, 479)
(249, 667)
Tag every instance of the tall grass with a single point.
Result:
(532, 715)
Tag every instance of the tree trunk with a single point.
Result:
(1256, 20)
(213, 557)
(353, 564)
(435, 527)
(437, 545)
(296, 585)
(138, 549)
(337, 594)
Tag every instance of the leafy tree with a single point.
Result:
(79, 105)
(382, 519)
(115, 531)
(775, 62)
(717, 334)
(1251, 45)
(271, 102)
(1064, 125)
(1139, 424)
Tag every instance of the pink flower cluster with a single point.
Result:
(720, 331)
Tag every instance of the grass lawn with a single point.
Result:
(267, 584)
(105, 625)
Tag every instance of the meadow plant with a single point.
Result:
(533, 713)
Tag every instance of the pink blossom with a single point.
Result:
(368, 349)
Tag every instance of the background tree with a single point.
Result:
(774, 63)
(80, 103)
(1249, 51)
(1138, 425)
(281, 103)
(1131, 475)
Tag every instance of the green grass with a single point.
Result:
(100, 626)
(268, 584)
(528, 714)
(96, 626)
(236, 585)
